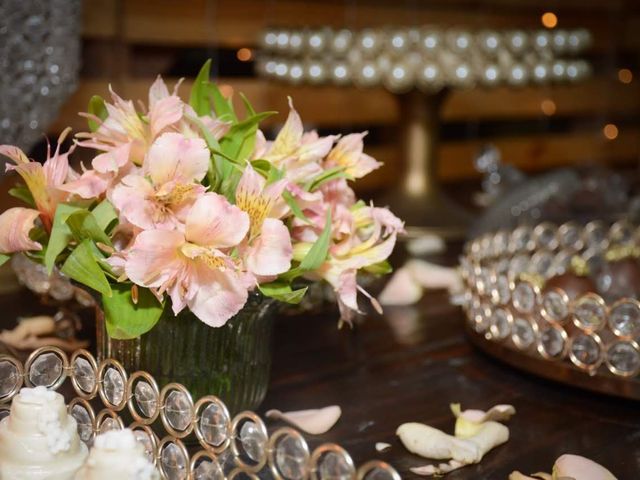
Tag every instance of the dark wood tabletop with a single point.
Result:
(408, 366)
(411, 363)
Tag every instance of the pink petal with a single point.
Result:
(348, 153)
(15, 225)
(214, 222)
(113, 160)
(314, 421)
(157, 92)
(163, 113)
(271, 252)
(580, 468)
(289, 138)
(131, 199)
(347, 290)
(218, 295)
(90, 184)
(14, 153)
(402, 289)
(174, 157)
(154, 258)
(314, 148)
(250, 185)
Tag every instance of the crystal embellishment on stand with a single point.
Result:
(501, 321)
(84, 374)
(586, 350)
(552, 342)
(623, 358)
(229, 448)
(524, 297)
(146, 398)
(113, 386)
(589, 312)
(45, 370)
(624, 318)
(555, 305)
(523, 333)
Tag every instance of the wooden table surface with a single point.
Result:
(408, 366)
(411, 363)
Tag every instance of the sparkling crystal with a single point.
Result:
(482, 318)
(570, 236)
(501, 292)
(178, 410)
(144, 439)
(84, 374)
(500, 323)
(542, 262)
(291, 458)
(519, 264)
(624, 319)
(589, 313)
(555, 305)
(108, 424)
(214, 424)
(561, 263)
(335, 467)
(585, 349)
(113, 385)
(621, 233)
(83, 420)
(524, 297)
(253, 441)
(45, 370)
(208, 470)
(9, 378)
(522, 334)
(146, 398)
(520, 239)
(595, 235)
(552, 342)
(173, 462)
(624, 357)
(500, 243)
(545, 236)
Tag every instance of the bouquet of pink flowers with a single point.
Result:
(190, 205)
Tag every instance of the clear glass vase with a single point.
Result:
(232, 362)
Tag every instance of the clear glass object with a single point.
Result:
(232, 362)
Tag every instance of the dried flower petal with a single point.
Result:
(581, 468)
(382, 446)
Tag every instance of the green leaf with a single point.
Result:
(263, 167)
(315, 257)
(240, 140)
(327, 176)
(247, 105)
(126, 320)
(60, 234)
(283, 292)
(222, 105)
(199, 98)
(81, 266)
(318, 253)
(380, 268)
(97, 108)
(4, 258)
(293, 205)
(105, 215)
(84, 225)
(23, 193)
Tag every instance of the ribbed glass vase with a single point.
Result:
(232, 362)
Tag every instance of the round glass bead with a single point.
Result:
(335, 467)
(84, 374)
(624, 318)
(253, 441)
(83, 421)
(555, 305)
(173, 462)
(10, 379)
(623, 358)
(585, 350)
(208, 470)
(144, 439)
(589, 312)
(500, 323)
(552, 342)
(146, 398)
(178, 410)
(524, 297)
(113, 386)
(213, 424)
(45, 370)
(523, 334)
(292, 457)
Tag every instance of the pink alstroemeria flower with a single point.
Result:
(269, 244)
(42, 180)
(15, 225)
(108, 168)
(194, 267)
(293, 150)
(124, 125)
(348, 153)
(160, 195)
(372, 241)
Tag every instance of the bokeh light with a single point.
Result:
(549, 19)
(610, 131)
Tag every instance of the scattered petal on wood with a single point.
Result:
(442, 469)
(383, 447)
(432, 276)
(581, 468)
(469, 421)
(521, 476)
(314, 422)
(401, 289)
(426, 245)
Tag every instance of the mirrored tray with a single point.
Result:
(186, 440)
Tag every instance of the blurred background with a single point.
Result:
(534, 127)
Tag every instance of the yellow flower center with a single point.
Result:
(257, 207)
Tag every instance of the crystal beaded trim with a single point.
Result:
(239, 447)
(504, 302)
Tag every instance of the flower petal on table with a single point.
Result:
(580, 468)
(313, 422)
